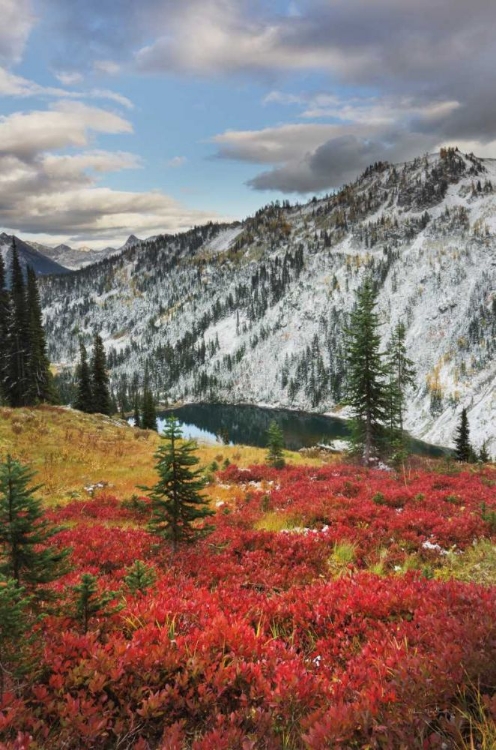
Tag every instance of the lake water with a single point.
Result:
(248, 425)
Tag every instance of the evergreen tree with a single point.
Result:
(148, 414)
(401, 375)
(100, 379)
(463, 448)
(18, 344)
(140, 577)
(41, 387)
(177, 501)
(275, 446)
(136, 412)
(484, 456)
(366, 390)
(15, 623)
(90, 603)
(25, 551)
(84, 397)
(5, 312)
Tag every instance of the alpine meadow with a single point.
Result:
(247, 442)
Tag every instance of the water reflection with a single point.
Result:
(247, 425)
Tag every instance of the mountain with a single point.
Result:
(76, 258)
(255, 311)
(29, 256)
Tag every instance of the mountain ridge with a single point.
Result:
(254, 311)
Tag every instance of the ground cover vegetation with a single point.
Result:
(331, 606)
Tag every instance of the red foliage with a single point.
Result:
(247, 641)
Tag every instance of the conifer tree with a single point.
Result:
(100, 379)
(26, 554)
(90, 603)
(484, 456)
(149, 413)
(176, 499)
(136, 412)
(140, 577)
(84, 395)
(4, 334)
(41, 387)
(18, 345)
(275, 446)
(400, 376)
(463, 448)
(15, 622)
(366, 390)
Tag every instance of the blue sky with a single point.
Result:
(120, 117)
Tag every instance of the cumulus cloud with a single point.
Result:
(50, 175)
(430, 65)
(26, 134)
(307, 158)
(17, 21)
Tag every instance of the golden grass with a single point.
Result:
(275, 521)
(70, 450)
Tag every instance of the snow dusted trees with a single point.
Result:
(24, 366)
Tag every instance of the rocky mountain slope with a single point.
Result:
(255, 312)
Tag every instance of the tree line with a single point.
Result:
(25, 376)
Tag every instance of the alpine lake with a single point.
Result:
(245, 424)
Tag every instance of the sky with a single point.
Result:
(151, 116)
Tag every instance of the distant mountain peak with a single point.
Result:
(131, 240)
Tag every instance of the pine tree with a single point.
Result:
(140, 577)
(100, 379)
(484, 456)
(84, 396)
(177, 501)
(148, 414)
(366, 389)
(136, 411)
(25, 551)
(463, 448)
(275, 446)
(41, 387)
(5, 312)
(15, 623)
(90, 603)
(400, 375)
(18, 345)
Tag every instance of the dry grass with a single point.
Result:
(70, 451)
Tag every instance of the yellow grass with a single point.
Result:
(70, 451)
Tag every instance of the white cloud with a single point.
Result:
(67, 123)
(17, 86)
(68, 78)
(59, 195)
(17, 20)
(106, 67)
(176, 161)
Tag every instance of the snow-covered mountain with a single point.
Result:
(28, 256)
(254, 312)
(76, 258)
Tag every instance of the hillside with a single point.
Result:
(75, 453)
(41, 264)
(255, 311)
(326, 605)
